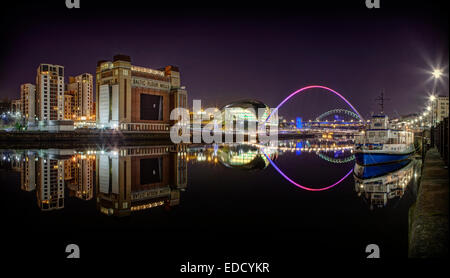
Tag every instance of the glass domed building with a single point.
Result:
(246, 112)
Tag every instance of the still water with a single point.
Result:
(233, 198)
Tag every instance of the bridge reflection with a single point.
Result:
(125, 180)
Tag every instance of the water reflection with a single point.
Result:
(123, 180)
(133, 179)
(383, 184)
(128, 179)
(46, 170)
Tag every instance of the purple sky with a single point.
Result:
(231, 54)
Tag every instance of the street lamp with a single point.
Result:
(437, 73)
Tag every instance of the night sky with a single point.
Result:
(239, 51)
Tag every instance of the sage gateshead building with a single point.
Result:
(133, 98)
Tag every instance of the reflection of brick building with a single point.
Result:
(79, 176)
(28, 173)
(134, 179)
(50, 183)
(136, 98)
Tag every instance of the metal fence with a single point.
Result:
(439, 138)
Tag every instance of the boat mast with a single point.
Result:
(381, 100)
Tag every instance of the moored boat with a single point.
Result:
(379, 144)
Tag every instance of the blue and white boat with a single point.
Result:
(379, 144)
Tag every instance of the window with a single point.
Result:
(150, 170)
(151, 107)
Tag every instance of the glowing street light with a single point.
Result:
(429, 108)
(437, 73)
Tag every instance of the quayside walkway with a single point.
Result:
(428, 233)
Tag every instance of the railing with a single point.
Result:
(440, 138)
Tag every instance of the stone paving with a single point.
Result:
(429, 216)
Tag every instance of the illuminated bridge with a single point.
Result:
(335, 112)
(333, 120)
(323, 121)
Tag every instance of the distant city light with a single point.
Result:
(299, 123)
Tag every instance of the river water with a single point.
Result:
(227, 199)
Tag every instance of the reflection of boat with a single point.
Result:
(379, 144)
(367, 172)
(379, 184)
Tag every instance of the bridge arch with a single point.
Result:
(338, 111)
(299, 91)
(302, 90)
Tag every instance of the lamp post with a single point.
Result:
(432, 110)
(430, 117)
(437, 74)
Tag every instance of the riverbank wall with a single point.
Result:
(34, 139)
(62, 139)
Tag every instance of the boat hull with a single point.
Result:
(370, 172)
(380, 158)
